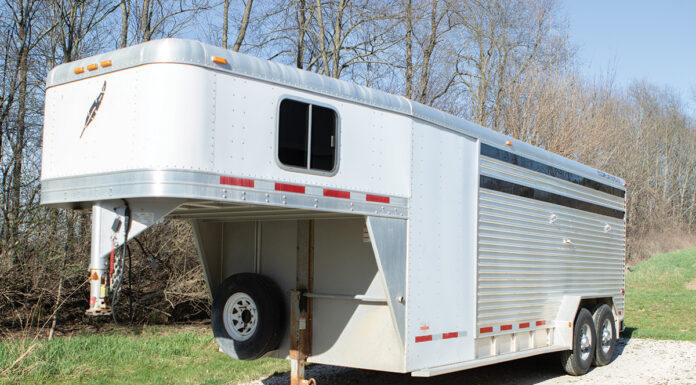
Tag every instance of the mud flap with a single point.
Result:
(563, 333)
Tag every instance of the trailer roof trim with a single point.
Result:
(195, 53)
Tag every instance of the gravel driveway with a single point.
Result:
(637, 361)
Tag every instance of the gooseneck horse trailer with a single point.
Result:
(338, 224)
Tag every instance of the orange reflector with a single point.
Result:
(219, 60)
(570, 325)
(509, 143)
(79, 70)
(92, 67)
(106, 63)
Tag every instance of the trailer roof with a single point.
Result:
(200, 54)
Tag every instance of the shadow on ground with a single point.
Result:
(525, 371)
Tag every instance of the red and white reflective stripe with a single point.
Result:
(440, 336)
(336, 193)
(509, 327)
(376, 198)
(293, 188)
(232, 181)
(265, 185)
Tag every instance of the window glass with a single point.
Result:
(299, 143)
(292, 133)
(323, 146)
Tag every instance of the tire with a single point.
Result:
(577, 362)
(605, 325)
(248, 316)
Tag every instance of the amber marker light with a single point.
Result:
(219, 60)
(92, 67)
(509, 143)
(106, 63)
(79, 70)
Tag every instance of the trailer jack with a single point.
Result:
(106, 270)
(300, 338)
(301, 305)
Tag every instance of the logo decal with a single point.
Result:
(93, 110)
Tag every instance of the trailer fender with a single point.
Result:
(563, 333)
(388, 239)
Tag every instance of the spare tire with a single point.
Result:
(248, 316)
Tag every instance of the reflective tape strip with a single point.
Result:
(314, 191)
(511, 327)
(441, 336)
(424, 338)
(336, 194)
(290, 188)
(232, 181)
(376, 198)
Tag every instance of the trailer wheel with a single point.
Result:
(606, 334)
(247, 316)
(578, 361)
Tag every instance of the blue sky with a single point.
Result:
(637, 39)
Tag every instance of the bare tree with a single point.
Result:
(124, 24)
(163, 18)
(244, 24)
(499, 41)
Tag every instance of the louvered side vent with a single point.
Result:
(532, 252)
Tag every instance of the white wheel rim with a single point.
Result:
(606, 336)
(585, 341)
(240, 316)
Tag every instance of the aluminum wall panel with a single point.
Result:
(531, 253)
(516, 174)
(441, 280)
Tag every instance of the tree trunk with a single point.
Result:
(225, 22)
(409, 49)
(146, 21)
(301, 28)
(322, 46)
(124, 23)
(427, 53)
(242, 27)
(18, 145)
(337, 40)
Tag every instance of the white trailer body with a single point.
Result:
(421, 242)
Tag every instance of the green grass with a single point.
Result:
(153, 356)
(658, 304)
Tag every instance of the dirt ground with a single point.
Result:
(637, 362)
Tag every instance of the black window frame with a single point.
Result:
(307, 169)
